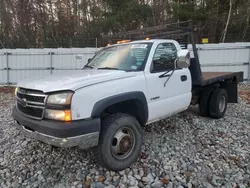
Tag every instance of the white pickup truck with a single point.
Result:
(122, 88)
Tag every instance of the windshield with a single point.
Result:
(127, 57)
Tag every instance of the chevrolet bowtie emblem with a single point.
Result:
(23, 102)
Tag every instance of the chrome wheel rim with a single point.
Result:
(122, 143)
(222, 103)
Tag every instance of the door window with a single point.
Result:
(164, 57)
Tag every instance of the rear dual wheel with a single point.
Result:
(213, 103)
(218, 103)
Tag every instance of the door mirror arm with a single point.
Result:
(89, 60)
(169, 76)
(164, 74)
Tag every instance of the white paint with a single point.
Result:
(174, 105)
(84, 99)
(174, 90)
(73, 80)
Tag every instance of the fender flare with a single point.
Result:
(101, 105)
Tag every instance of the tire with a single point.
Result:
(128, 131)
(218, 103)
(204, 103)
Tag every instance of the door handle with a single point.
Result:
(183, 78)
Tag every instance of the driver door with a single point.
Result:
(169, 89)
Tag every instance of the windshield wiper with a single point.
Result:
(88, 66)
(109, 68)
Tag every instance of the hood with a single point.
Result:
(73, 80)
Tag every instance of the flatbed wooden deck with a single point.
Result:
(212, 77)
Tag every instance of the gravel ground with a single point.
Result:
(182, 151)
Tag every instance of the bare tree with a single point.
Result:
(247, 21)
(55, 23)
(228, 20)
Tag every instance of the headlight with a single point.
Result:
(61, 115)
(16, 90)
(60, 98)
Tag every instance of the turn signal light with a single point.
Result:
(60, 115)
(67, 115)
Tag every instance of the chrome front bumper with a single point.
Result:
(81, 133)
(83, 141)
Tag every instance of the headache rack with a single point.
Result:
(177, 31)
(182, 32)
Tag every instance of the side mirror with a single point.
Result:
(89, 60)
(183, 60)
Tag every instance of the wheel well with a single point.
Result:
(133, 107)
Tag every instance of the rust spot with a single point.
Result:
(165, 180)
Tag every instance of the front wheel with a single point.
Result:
(120, 142)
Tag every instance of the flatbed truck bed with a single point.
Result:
(213, 77)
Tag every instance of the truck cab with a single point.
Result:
(154, 63)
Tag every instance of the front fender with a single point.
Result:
(90, 101)
(101, 105)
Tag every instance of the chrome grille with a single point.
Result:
(32, 98)
(31, 103)
(33, 112)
